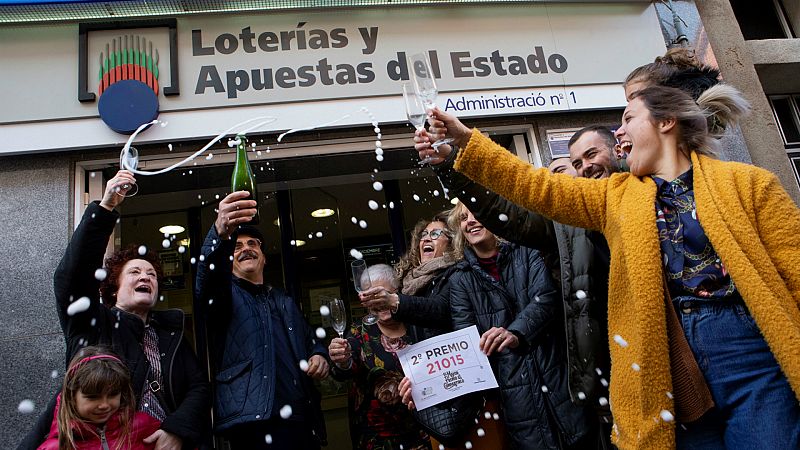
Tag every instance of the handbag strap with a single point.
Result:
(689, 389)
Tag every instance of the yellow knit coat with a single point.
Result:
(750, 220)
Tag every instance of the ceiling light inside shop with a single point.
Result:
(322, 212)
(171, 229)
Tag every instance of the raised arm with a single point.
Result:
(215, 264)
(579, 202)
(500, 216)
(75, 277)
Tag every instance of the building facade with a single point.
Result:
(346, 178)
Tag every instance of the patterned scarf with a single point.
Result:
(417, 279)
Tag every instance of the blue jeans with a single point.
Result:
(755, 408)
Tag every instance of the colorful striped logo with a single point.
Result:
(128, 81)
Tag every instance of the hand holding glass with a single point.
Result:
(129, 160)
(362, 282)
(425, 85)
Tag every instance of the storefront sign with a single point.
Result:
(446, 366)
(488, 60)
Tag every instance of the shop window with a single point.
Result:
(762, 19)
(787, 115)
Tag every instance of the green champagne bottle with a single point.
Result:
(242, 178)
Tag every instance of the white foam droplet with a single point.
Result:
(319, 234)
(210, 155)
(441, 447)
(468, 445)
(268, 439)
(619, 340)
(487, 415)
(544, 389)
(193, 260)
(165, 243)
(603, 401)
(93, 322)
(321, 333)
(391, 205)
(604, 382)
(472, 199)
(26, 407)
(211, 266)
(666, 416)
(324, 310)
(362, 224)
(169, 146)
(356, 254)
(635, 367)
(142, 250)
(378, 186)
(415, 197)
(481, 432)
(379, 151)
(286, 411)
(580, 294)
(304, 365)
(435, 192)
(581, 396)
(78, 306)
(496, 416)
(100, 274)
(211, 301)
(373, 205)
(54, 374)
(669, 395)
(202, 258)
(181, 249)
(354, 220)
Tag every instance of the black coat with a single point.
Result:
(428, 311)
(185, 386)
(241, 337)
(579, 260)
(532, 377)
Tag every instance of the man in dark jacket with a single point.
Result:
(579, 258)
(264, 353)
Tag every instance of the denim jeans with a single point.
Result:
(755, 408)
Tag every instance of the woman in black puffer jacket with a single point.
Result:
(506, 290)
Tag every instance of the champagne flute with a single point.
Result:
(338, 315)
(425, 85)
(362, 282)
(415, 110)
(129, 160)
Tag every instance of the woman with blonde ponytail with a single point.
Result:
(704, 286)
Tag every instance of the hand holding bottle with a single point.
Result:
(233, 211)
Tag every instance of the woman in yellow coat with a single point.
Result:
(677, 199)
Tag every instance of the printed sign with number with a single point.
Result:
(446, 366)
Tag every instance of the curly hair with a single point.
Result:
(411, 259)
(114, 264)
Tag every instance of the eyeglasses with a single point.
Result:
(249, 243)
(434, 234)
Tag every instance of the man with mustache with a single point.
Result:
(579, 259)
(264, 354)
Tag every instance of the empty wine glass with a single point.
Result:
(338, 315)
(129, 160)
(415, 110)
(362, 282)
(425, 85)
